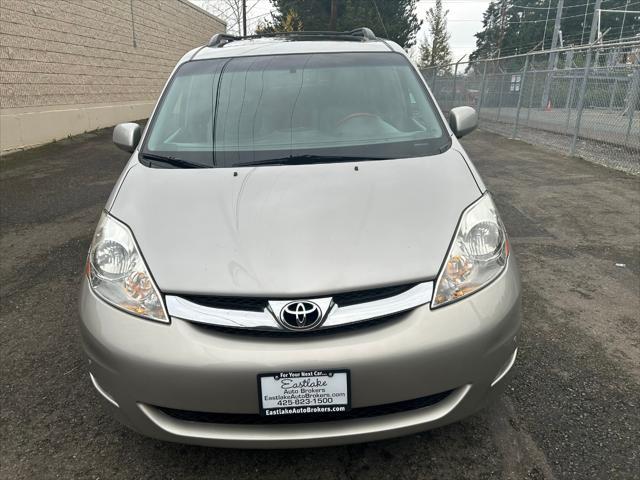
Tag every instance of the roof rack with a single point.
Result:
(220, 39)
(362, 34)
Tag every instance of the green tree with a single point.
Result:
(487, 39)
(393, 19)
(435, 50)
(424, 53)
(290, 22)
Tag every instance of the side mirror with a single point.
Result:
(463, 120)
(126, 136)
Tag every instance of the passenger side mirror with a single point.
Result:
(127, 136)
(463, 120)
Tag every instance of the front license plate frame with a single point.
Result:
(306, 400)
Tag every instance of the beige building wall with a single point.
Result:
(71, 66)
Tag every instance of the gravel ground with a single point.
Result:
(619, 157)
(570, 412)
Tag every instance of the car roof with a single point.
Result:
(284, 46)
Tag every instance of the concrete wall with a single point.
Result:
(70, 66)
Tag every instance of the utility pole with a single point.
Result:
(244, 18)
(584, 22)
(585, 77)
(556, 26)
(553, 56)
(594, 35)
(334, 15)
(624, 18)
(594, 22)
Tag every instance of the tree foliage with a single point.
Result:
(435, 50)
(512, 27)
(393, 19)
(290, 22)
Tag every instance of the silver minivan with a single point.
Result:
(298, 253)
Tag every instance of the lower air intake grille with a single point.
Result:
(354, 413)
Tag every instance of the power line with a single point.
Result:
(540, 21)
(545, 8)
(562, 18)
(568, 39)
(584, 23)
(258, 16)
(380, 18)
(624, 17)
(621, 8)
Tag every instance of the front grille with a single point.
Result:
(258, 304)
(354, 413)
(338, 329)
(371, 295)
(252, 304)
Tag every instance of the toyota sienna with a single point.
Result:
(298, 253)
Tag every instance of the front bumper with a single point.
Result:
(464, 347)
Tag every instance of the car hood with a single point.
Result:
(295, 230)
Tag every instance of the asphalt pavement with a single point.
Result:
(571, 411)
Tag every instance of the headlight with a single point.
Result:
(118, 274)
(477, 255)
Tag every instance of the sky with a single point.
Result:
(464, 19)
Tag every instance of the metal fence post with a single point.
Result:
(500, 96)
(484, 80)
(628, 134)
(455, 81)
(453, 93)
(568, 65)
(583, 92)
(612, 98)
(569, 103)
(522, 84)
(634, 96)
(533, 89)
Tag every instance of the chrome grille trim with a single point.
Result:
(412, 298)
(337, 316)
(184, 309)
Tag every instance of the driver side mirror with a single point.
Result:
(127, 136)
(463, 120)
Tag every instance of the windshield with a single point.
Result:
(311, 107)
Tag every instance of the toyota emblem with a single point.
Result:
(300, 315)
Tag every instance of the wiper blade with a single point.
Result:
(444, 147)
(173, 161)
(307, 159)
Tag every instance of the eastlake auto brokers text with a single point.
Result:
(300, 392)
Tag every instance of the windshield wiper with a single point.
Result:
(173, 161)
(307, 159)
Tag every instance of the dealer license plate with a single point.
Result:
(304, 392)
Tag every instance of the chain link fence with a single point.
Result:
(584, 101)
